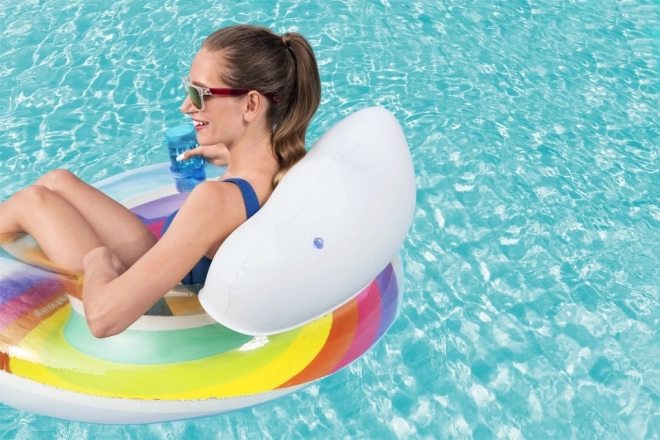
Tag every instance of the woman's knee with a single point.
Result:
(33, 196)
(57, 179)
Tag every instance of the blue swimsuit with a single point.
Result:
(198, 273)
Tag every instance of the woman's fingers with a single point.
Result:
(199, 151)
(216, 154)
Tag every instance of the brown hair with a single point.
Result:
(285, 66)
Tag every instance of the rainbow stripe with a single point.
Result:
(44, 339)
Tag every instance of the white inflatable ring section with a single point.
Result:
(332, 225)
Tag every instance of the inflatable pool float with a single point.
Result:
(301, 290)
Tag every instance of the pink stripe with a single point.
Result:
(27, 301)
(368, 322)
(156, 227)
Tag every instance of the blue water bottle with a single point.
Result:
(187, 173)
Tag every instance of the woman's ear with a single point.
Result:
(253, 106)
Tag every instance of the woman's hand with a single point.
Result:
(102, 260)
(216, 154)
(102, 266)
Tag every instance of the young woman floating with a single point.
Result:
(251, 95)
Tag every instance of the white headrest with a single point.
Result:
(334, 222)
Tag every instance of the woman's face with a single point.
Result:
(221, 120)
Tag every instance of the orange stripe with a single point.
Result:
(4, 362)
(73, 284)
(342, 334)
(35, 257)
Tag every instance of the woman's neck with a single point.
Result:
(252, 155)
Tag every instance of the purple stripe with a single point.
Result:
(388, 287)
(383, 279)
(14, 286)
(160, 208)
(22, 304)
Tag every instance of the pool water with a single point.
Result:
(533, 263)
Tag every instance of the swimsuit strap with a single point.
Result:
(249, 196)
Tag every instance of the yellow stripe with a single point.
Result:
(289, 363)
(25, 357)
(45, 357)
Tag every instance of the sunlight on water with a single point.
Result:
(532, 300)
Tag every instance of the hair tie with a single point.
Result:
(293, 55)
(295, 67)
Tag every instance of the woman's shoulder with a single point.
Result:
(258, 182)
(212, 199)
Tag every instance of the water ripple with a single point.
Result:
(532, 305)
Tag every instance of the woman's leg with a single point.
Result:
(61, 232)
(68, 218)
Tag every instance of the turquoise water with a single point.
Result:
(532, 293)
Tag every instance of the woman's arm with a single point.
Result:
(114, 300)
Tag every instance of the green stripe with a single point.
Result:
(153, 347)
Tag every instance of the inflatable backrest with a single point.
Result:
(334, 222)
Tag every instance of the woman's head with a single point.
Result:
(282, 69)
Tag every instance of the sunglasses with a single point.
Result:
(197, 93)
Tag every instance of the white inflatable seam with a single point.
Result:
(332, 161)
(155, 323)
(231, 291)
(364, 134)
(271, 330)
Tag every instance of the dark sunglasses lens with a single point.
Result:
(195, 97)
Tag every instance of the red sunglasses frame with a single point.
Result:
(208, 91)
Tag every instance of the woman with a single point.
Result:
(249, 91)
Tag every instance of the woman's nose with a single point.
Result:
(187, 106)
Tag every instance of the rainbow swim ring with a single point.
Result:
(175, 362)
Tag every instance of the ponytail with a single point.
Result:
(288, 138)
(258, 59)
